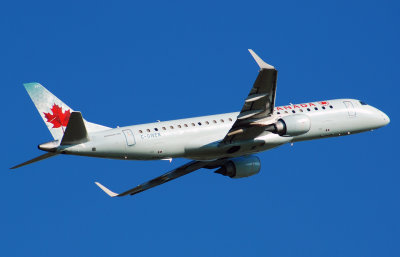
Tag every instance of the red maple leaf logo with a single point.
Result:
(58, 118)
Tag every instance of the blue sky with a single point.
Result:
(131, 62)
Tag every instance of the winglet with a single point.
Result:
(260, 62)
(106, 190)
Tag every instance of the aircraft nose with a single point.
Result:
(381, 118)
(386, 118)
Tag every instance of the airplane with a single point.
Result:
(225, 143)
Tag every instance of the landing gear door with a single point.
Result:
(130, 138)
(350, 108)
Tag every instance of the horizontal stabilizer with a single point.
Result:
(76, 132)
(39, 158)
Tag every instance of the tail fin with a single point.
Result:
(53, 111)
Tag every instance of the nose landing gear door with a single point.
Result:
(129, 137)
(350, 108)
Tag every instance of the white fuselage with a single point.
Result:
(198, 138)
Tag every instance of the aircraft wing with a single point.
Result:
(176, 173)
(258, 106)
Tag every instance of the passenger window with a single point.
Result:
(301, 110)
(163, 128)
(308, 109)
(171, 127)
(199, 123)
(286, 111)
(179, 126)
(278, 113)
(316, 108)
(331, 106)
(207, 122)
(230, 119)
(140, 131)
(294, 111)
(148, 130)
(214, 121)
(193, 124)
(185, 125)
(222, 120)
(156, 129)
(323, 107)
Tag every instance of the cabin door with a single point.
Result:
(129, 137)
(350, 108)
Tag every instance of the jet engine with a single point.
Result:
(292, 125)
(240, 167)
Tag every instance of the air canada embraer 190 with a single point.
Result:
(224, 142)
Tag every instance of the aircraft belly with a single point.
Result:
(203, 145)
(213, 150)
(156, 151)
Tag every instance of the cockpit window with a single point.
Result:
(362, 103)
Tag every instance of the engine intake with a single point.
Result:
(292, 125)
(240, 167)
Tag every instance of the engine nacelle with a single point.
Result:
(292, 125)
(241, 167)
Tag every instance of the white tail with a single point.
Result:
(54, 112)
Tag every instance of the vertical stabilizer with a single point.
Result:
(53, 111)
